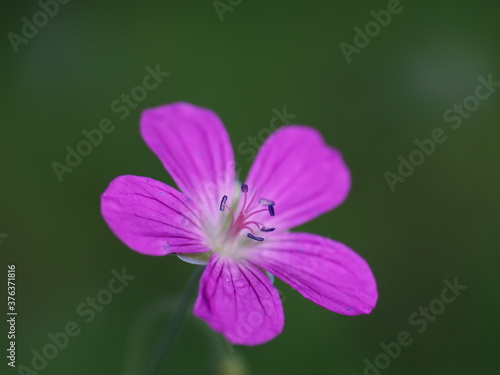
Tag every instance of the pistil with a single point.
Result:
(240, 222)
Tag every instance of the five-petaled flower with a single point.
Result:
(240, 231)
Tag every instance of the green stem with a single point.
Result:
(166, 339)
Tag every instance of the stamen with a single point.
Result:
(256, 223)
(223, 203)
(247, 227)
(264, 229)
(244, 189)
(255, 212)
(266, 202)
(250, 235)
(240, 221)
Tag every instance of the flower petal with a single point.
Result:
(152, 218)
(194, 147)
(324, 271)
(301, 174)
(239, 301)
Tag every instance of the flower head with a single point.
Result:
(240, 231)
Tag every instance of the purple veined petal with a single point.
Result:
(324, 271)
(152, 218)
(301, 174)
(238, 301)
(194, 147)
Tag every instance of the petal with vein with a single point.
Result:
(239, 301)
(152, 218)
(299, 172)
(327, 272)
(194, 147)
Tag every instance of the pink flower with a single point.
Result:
(241, 230)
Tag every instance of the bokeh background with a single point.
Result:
(440, 223)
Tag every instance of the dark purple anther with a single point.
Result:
(264, 229)
(223, 202)
(271, 209)
(250, 235)
(244, 188)
(265, 202)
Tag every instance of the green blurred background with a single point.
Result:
(441, 223)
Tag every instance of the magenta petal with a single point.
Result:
(301, 174)
(239, 301)
(324, 271)
(194, 147)
(150, 217)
